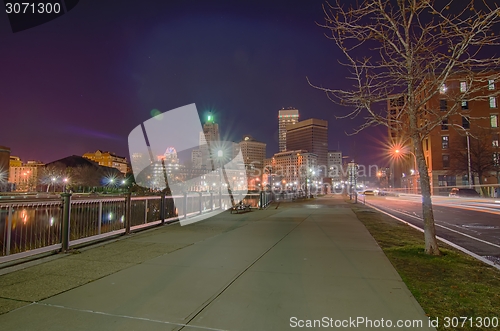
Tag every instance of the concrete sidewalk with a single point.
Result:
(252, 271)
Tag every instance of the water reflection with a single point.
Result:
(40, 225)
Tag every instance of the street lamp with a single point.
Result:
(53, 184)
(469, 168)
(398, 152)
(469, 174)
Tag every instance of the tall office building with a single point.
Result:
(334, 164)
(285, 118)
(211, 129)
(310, 135)
(201, 157)
(253, 151)
(196, 158)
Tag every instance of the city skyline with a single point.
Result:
(94, 80)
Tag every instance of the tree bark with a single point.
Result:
(431, 245)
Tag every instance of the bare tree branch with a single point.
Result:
(412, 49)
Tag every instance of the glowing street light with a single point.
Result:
(398, 153)
(54, 184)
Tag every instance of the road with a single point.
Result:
(471, 223)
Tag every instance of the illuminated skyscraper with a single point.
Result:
(253, 151)
(210, 134)
(211, 129)
(310, 135)
(286, 117)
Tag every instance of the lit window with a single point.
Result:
(496, 159)
(465, 105)
(491, 84)
(445, 142)
(494, 120)
(443, 89)
(463, 86)
(495, 140)
(493, 102)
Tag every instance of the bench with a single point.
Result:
(238, 208)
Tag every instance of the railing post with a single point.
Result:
(185, 205)
(128, 212)
(201, 202)
(162, 207)
(212, 201)
(9, 230)
(66, 221)
(146, 211)
(220, 198)
(99, 221)
(259, 204)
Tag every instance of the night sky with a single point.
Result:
(82, 82)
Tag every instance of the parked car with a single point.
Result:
(368, 192)
(463, 193)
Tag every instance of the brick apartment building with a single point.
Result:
(445, 149)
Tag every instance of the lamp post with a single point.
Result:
(469, 174)
(469, 168)
(54, 184)
(352, 171)
(416, 172)
(222, 172)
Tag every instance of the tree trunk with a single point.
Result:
(431, 245)
(482, 190)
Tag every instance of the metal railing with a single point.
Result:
(265, 199)
(30, 228)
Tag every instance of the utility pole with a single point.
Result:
(468, 160)
(352, 170)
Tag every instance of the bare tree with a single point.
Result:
(481, 151)
(411, 49)
(86, 176)
(50, 174)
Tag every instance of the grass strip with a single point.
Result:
(451, 285)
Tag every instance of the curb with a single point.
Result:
(460, 248)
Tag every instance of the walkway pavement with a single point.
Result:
(252, 271)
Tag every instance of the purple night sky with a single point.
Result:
(83, 81)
